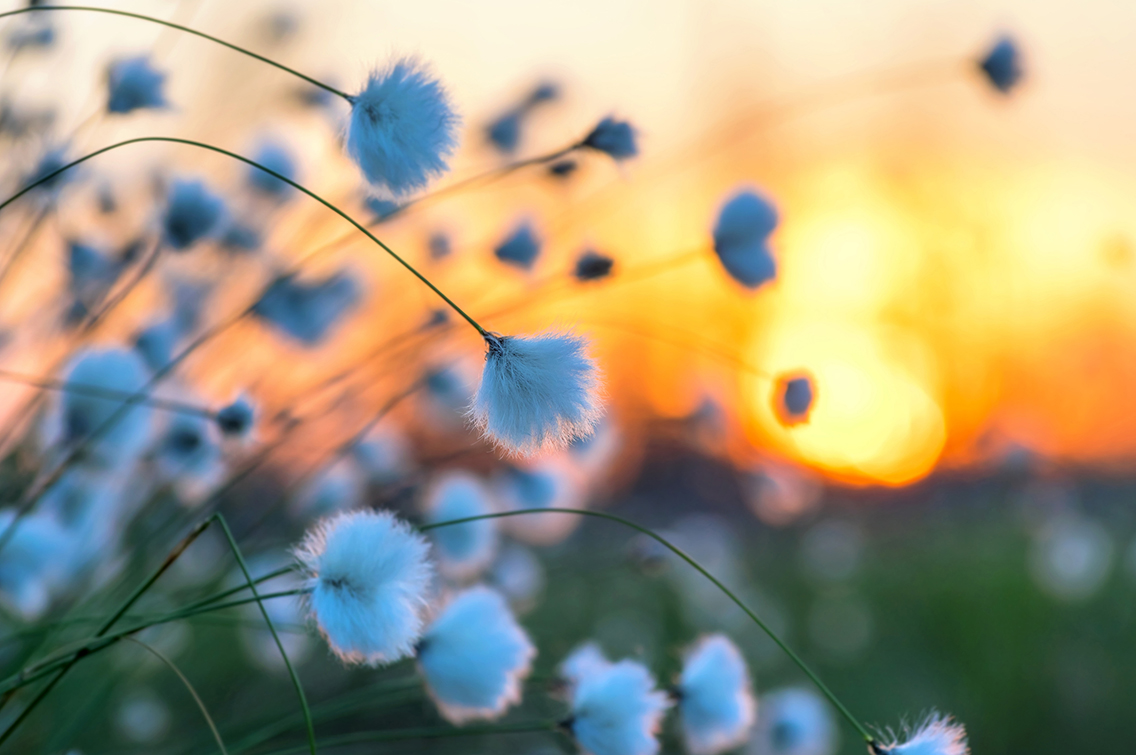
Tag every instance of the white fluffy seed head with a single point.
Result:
(537, 393)
(715, 699)
(936, 735)
(463, 550)
(403, 128)
(474, 657)
(616, 710)
(369, 575)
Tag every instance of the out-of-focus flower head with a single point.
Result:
(504, 132)
(384, 456)
(236, 419)
(381, 209)
(549, 482)
(614, 138)
(278, 158)
(240, 237)
(403, 128)
(439, 246)
(193, 213)
(616, 710)
(78, 416)
(50, 161)
(537, 392)
(463, 550)
(36, 34)
(308, 311)
(189, 454)
(521, 247)
(591, 265)
(29, 562)
(474, 657)
(91, 272)
(1002, 65)
(937, 735)
(793, 398)
(368, 573)
(741, 237)
(337, 487)
(714, 697)
(585, 660)
(518, 575)
(134, 84)
(794, 721)
(156, 343)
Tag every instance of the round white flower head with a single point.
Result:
(403, 128)
(368, 574)
(82, 416)
(794, 722)
(537, 392)
(741, 236)
(937, 735)
(714, 697)
(616, 710)
(474, 657)
(462, 550)
(548, 483)
(582, 662)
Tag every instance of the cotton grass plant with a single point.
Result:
(400, 591)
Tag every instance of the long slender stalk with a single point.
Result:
(268, 620)
(701, 570)
(189, 687)
(187, 30)
(95, 391)
(106, 626)
(28, 501)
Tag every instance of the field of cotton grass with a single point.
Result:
(315, 438)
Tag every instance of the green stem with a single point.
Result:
(268, 620)
(201, 145)
(187, 30)
(698, 567)
(96, 391)
(130, 601)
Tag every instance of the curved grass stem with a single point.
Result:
(187, 30)
(859, 727)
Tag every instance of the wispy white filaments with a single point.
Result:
(937, 735)
(537, 392)
(616, 710)
(368, 574)
(403, 128)
(714, 697)
(474, 657)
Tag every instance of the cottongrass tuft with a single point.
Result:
(741, 236)
(793, 399)
(463, 550)
(714, 697)
(794, 721)
(474, 657)
(550, 482)
(937, 735)
(537, 392)
(584, 661)
(591, 265)
(194, 213)
(1002, 65)
(368, 574)
(308, 311)
(276, 157)
(614, 138)
(616, 710)
(79, 416)
(134, 84)
(403, 128)
(236, 419)
(520, 248)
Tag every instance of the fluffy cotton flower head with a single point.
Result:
(715, 700)
(194, 213)
(403, 128)
(134, 84)
(236, 419)
(937, 735)
(1002, 65)
(794, 721)
(550, 482)
(463, 550)
(617, 711)
(308, 311)
(521, 247)
(585, 660)
(614, 138)
(81, 416)
(793, 398)
(368, 574)
(474, 657)
(741, 236)
(537, 392)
